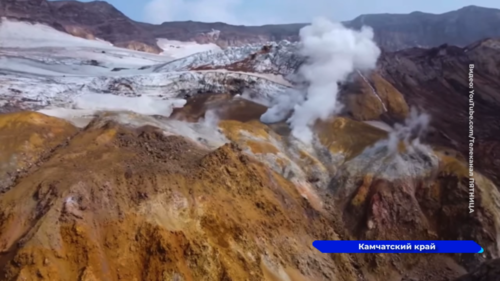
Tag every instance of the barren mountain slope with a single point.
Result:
(393, 31)
(127, 198)
(437, 80)
(156, 168)
(151, 206)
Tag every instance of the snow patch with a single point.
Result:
(142, 105)
(178, 49)
(15, 34)
(30, 46)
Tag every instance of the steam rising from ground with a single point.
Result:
(401, 154)
(407, 134)
(410, 132)
(333, 52)
(211, 119)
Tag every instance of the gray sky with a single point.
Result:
(279, 11)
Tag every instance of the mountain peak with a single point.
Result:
(393, 32)
(473, 7)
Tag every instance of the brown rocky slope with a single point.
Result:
(127, 198)
(437, 81)
(121, 203)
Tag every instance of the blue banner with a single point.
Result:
(394, 246)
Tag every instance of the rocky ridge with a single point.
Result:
(99, 19)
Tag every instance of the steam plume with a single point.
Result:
(407, 134)
(333, 52)
(211, 119)
(410, 132)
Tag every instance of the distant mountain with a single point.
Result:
(460, 27)
(392, 31)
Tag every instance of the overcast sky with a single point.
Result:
(256, 12)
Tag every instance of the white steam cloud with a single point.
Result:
(282, 105)
(408, 134)
(211, 119)
(333, 52)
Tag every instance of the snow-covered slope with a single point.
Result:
(43, 91)
(44, 69)
(14, 34)
(43, 47)
(281, 58)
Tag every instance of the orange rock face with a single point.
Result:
(119, 200)
(371, 97)
(25, 138)
(116, 203)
